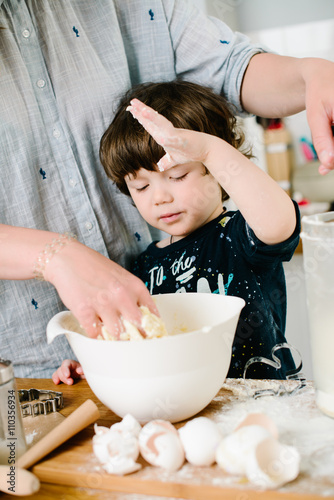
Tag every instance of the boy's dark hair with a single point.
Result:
(126, 146)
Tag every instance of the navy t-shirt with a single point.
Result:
(226, 257)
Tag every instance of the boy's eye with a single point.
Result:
(139, 189)
(180, 177)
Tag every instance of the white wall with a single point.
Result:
(254, 15)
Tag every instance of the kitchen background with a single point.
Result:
(299, 28)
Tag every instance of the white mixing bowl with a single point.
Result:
(171, 378)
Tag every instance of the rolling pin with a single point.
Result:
(26, 483)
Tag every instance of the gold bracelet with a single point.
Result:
(49, 251)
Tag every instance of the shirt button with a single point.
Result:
(26, 33)
(88, 225)
(56, 133)
(40, 83)
(72, 183)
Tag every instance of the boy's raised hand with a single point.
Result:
(181, 145)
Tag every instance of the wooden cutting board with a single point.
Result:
(299, 422)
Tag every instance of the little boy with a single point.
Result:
(179, 162)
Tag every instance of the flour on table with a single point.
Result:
(299, 422)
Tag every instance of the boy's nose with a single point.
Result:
(162, 195)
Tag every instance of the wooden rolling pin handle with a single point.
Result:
(17, 481)
(86, 414)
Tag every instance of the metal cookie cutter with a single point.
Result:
(46, 402)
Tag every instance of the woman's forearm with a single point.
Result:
(97, 290)
(19, 250)
(273, 86)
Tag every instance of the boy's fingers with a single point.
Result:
(151, 126)
(155, 124)
(166, 162)
(66, 372)
(55, 378)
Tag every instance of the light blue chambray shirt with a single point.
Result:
(64, 64)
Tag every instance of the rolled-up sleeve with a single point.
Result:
(207, 50)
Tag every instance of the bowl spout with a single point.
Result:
(63, 323)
